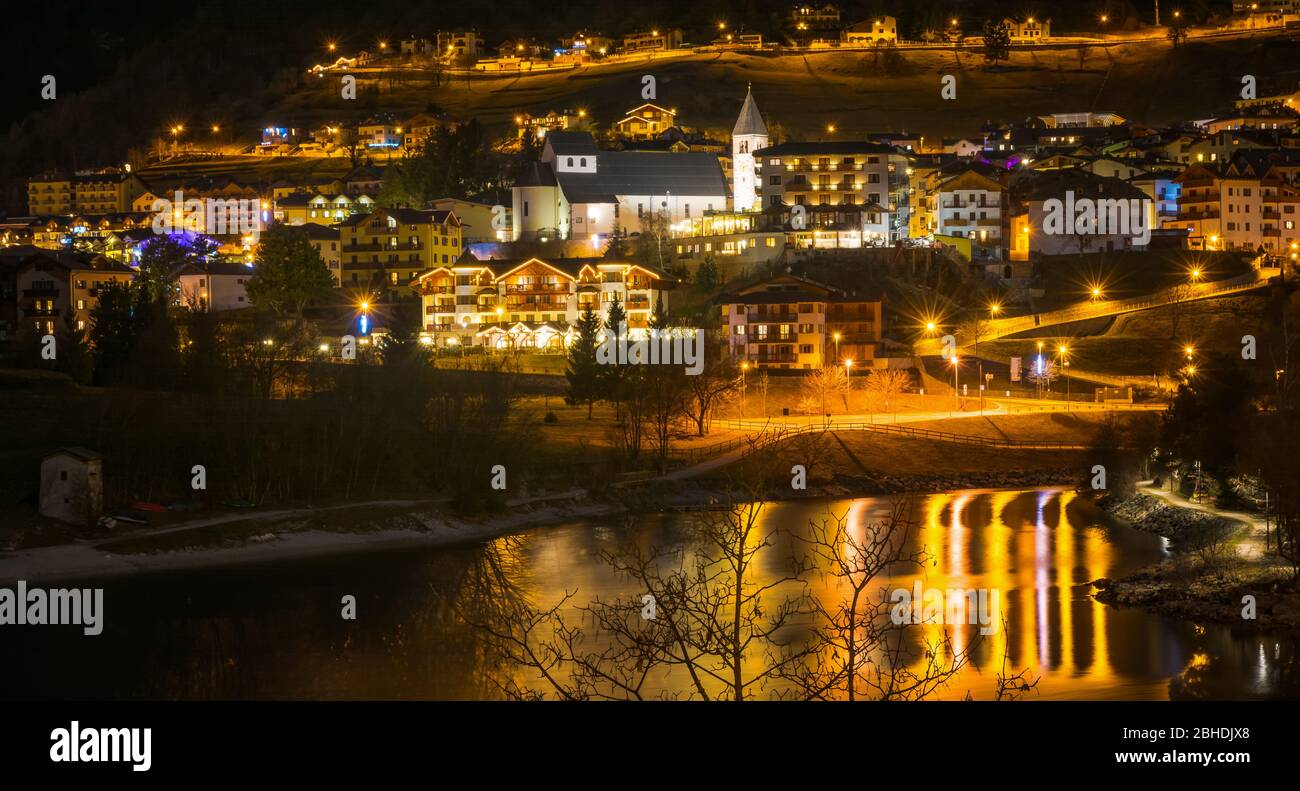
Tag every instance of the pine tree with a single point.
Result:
(611, 376)
(582, 371)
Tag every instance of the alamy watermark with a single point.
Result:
(213, 216)
(23, 606)
(1099, 217)
(675, 346)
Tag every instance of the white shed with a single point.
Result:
(72, 485)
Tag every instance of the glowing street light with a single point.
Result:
(836, 336)
(955, 361)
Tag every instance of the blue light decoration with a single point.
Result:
(1038, 365)
(364, 323)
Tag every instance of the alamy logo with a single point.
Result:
(1099, 217)
(97, 745)
(55, 607)
(234, 216)
(661, 347)
(954, 606)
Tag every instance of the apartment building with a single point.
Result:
(58, 289)
(101, 192)
(791, 322)
(839, 174)
(304, 207)
(1249, 203)
(971, 205)
(653, 40)
(389, 248)
(532, 303)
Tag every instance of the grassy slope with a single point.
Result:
(864, 91)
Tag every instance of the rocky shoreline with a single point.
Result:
(1200, 583)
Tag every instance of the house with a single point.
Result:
(962, 147)
(303, 207)
(417, 129)
(872, 32)
(1028, 31)
(380, 132)
(652, 41)
(388, 248)
(1056, 199)
(645, 122)
(55, 288)
(791, 322)
(972, 204)
(214, 286)
(72, 486)
(456, 45)
(807, 22)
(578, 191)
(554, 121)
(533, 302)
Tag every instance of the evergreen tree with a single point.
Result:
(289, 271)
(583, 372)
(997, 42)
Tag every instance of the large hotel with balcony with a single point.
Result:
(869, 178)
(532, 303)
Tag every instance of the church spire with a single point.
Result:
(750, 121)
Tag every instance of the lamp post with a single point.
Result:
(1062, 351)
(956, 390)
(837, 345)
(743, 368)
(994, 309)
(848, 384)
(1038, 383)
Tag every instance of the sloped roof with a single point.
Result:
(827, 148)
(646, 173)
(750, 121)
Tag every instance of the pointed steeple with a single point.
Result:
(750, 121)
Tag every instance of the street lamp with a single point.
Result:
(1062, 351)
(956, 391)
(837, 345)
(848, 384)
(743, 368)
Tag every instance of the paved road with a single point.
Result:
(1251, 547)
(766, 431)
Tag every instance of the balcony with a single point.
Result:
(537, 288)
(380, 248)
(1207, 214)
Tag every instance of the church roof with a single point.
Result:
(750, 121)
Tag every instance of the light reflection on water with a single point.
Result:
(274, 631)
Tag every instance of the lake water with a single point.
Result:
(275, 631)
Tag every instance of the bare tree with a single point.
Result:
(822, 384)
(885, 384)
(699, 614)
(860, 650)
